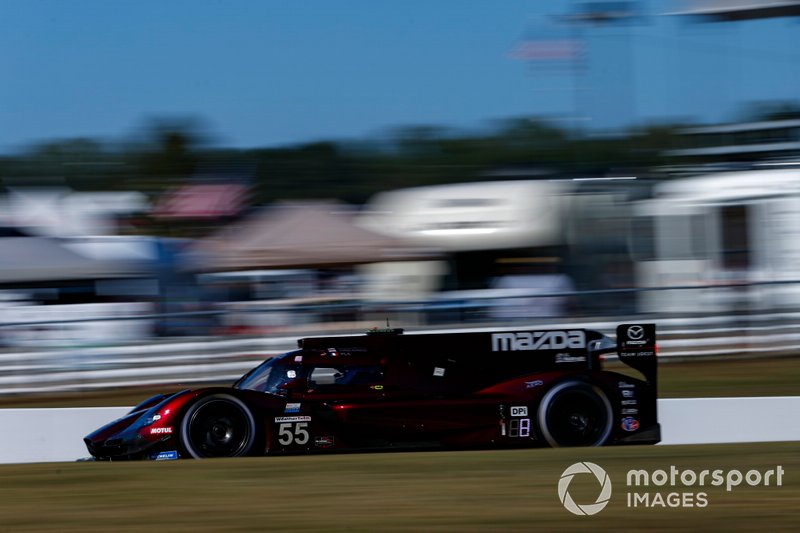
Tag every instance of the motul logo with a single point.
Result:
(538, 340)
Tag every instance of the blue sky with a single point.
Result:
(269, 72)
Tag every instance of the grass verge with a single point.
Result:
(512, 490)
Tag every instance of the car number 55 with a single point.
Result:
(293, 433)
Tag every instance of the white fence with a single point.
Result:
(223, 359)
(45, 435)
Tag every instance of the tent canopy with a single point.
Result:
(38, 259)
(313, 234)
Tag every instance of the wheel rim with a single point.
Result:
(218, 428)
(577, 416)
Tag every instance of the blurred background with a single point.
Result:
(190, 187)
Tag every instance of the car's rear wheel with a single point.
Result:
(218, 426)
(574, 413)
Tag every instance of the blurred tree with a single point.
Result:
(757, 111)
(80, 163)
(649, 144)
(316, 170)
(168, 152)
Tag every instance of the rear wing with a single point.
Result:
(514, 352)
(637, 348)
(517, 352)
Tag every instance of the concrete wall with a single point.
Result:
(44, 435)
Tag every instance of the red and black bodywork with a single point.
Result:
(390, 391)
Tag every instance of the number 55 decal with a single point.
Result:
(293, 430)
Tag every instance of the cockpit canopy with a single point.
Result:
(285, 372)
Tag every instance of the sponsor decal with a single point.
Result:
(627, 393)
(292, 419)
(628, 402)
(636, 338)
(625, 385)
(633, 411)
(165, 456)
(376, 387)
(630, 424)
(520, 410)
(298, 358)
(567, 358)
(156, 417)
(533, 384)
(636, 333)
(292, 408)
(291, 374)
(649, 353)
(161, 431)
(324, 442)
(438, 371)
(538, 340)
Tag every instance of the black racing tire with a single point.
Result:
(219, 425)
(575, 413)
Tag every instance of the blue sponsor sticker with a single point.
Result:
(165, 456)
(292, 408)
(630, 424)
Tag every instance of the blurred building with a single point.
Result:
(45, 280)
(511, 239)
(735, 233)
(743, 142)
(62, 212)
(270, 266)
(64, 258)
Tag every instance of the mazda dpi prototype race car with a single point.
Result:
(390, 391)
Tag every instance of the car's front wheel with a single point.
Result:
(218, 426)
(574, 413)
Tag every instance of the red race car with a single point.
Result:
(389, 391)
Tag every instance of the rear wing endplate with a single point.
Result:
(637, 348)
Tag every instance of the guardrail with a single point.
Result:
(203, 359)
(223, 359)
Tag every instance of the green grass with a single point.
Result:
(690, 379)
(730, 377)
(439, 491)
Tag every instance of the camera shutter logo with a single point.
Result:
(602, 499)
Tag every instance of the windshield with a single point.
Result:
(269, 376)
